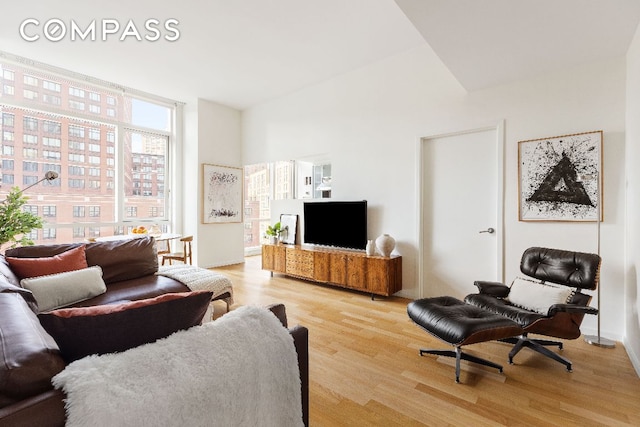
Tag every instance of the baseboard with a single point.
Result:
(405, 293)
(225, 263)
(635, 359)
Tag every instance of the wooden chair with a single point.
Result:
(180, 256)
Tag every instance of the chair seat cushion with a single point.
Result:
(458, 323)
(502, 307)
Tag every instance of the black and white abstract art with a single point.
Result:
(222, 194)
(560, 178)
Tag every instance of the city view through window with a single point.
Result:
(266, 182)
(109, 149)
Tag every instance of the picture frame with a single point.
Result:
(560, 178)
(288, 223)
(222, 194)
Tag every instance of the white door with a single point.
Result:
(461, 211)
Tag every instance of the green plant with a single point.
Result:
(274, 230)
(16, 222)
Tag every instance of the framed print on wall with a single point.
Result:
(560, 178)
(222, 194)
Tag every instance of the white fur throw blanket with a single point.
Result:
(240, 370)
(199, 279)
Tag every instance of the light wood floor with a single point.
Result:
(365, 369)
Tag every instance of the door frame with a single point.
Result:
(499, 129)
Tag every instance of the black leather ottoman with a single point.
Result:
(460, 324)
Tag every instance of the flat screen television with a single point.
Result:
(338, 224)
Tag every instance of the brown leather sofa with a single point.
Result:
(29, 356)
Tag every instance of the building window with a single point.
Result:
(78, 211)
(30, 124)
(7, 164)
(51, 127)
(53, 87)
(94, 211)
(8, 178)
(29, 166)
(49, 233)
(76, 183)
(50, 142)
(78, 232)
(7, 119)
(29, 139)
(8, 136)
(49, 211)
(29, 179)
(32, 209)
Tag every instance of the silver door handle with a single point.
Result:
(488, 230)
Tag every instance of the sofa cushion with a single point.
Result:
(62, 289)
(82, 331)
(120, 259)
(536, 296)
(72, 259)
(29, 356)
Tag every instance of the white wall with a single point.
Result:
(632, 265)
(212, 135)
(369, 122)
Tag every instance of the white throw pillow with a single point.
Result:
(62, 289)
(536, 296)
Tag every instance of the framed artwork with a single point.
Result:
(560, 178)
(288, 224)
(222, 194)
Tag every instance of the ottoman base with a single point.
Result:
(458, 324)
(459, 355)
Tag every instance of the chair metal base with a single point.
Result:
(458, 354)
(538, 345)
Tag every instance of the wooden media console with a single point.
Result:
(351, 269)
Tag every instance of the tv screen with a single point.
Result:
(339, 224)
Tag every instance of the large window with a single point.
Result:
(266, 182)
(111, 157)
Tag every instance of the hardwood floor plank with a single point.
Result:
(365, 369)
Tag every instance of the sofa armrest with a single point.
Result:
(301, 341)
(280, 312)
(45, 409)
(571, 308)
(496, 289)
(300, 336)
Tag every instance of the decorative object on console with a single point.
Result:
(549, 186)
(371, 248)
(289, 223)
(273, 232)
(385, 244)
(222, 194)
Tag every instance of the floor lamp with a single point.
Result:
(598, 340)
(49, 176)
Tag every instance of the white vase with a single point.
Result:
(385, 244)
(371, 248)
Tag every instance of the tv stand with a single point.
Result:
(376, 275)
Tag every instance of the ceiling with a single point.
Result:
(244, 52)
